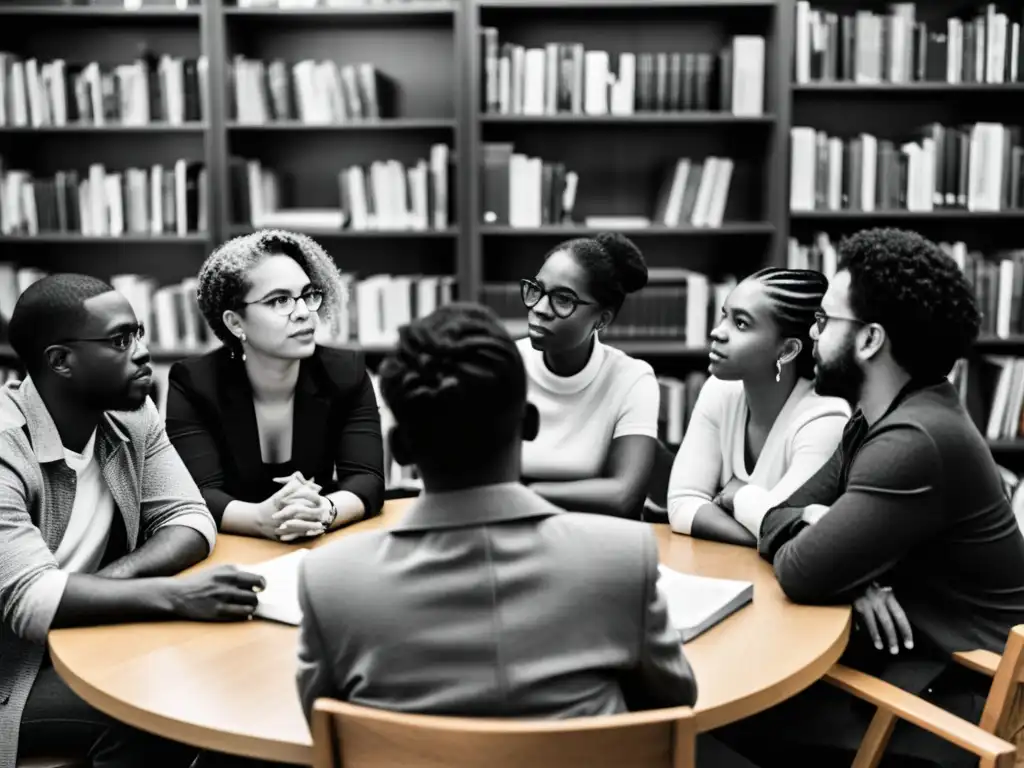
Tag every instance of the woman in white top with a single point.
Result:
(758, 430)
(598, 407)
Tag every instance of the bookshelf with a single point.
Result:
(941, 64)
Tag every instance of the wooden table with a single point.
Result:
(231, 687)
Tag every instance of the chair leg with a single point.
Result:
(876, 739)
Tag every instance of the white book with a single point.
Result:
(697, 603)
(279, 600)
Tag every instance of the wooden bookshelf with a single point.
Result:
(899, 112)
(431, 50)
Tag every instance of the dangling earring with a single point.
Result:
(242, 339)
(778, 369)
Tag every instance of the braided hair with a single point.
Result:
(614, 263)
(456, 386)
(223, 278)
(795, 295)
(50, 310)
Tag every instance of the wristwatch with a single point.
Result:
(333, 516)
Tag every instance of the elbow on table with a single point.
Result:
(800, 587)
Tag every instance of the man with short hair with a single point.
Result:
(96, 512)
(908, 521)
(485, 600)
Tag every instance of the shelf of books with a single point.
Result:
(906, 118)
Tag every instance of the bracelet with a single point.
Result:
(334, 515)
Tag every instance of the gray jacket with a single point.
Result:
(491, 602)
(151, 489)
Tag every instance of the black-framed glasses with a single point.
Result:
(563, 301)
(121, 341)
(285, 305)
(821, 319)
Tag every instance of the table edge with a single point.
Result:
(200, 736)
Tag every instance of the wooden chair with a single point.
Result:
(995, 740)
(348, 736)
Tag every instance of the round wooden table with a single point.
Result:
(231, 687)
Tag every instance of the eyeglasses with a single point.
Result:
(285, 305)
(563, 301)
(122, 341)
(821, 320)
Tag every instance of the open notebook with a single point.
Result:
(279, 601)
(697, 603)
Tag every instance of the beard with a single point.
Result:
(131, 398)
(841, 376)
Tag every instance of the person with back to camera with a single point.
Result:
(758, 430)
(281, 435)
(598, 406)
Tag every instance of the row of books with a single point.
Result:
(522, 191)
(695, 192)
(997, 278)
(152, 89)
(382, 196)
(283, 4)
(564, 78)
(142, 201)
(373, 307)
(974, 167)
(991, 388)
(868, 47)
(311, 92)
(678, 398)
(677, 304)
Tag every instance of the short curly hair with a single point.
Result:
(914, 290)
(223, 278)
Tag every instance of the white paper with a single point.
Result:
(697, 603)
(279, 600)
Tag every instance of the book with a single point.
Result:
(279, 600)
(697, 603)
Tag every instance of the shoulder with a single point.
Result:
(718, 394)
(600, 537)
(623, 372)
(14, 444)
(137, 425)
(353, 554)
(813, 407)
(200, 374)
(341, 369)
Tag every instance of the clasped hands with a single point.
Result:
(296, 511)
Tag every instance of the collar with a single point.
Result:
(564, 385)
(42, 432)
(482, 505)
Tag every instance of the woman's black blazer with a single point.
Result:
(211, 422)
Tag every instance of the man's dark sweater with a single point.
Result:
(916, 503)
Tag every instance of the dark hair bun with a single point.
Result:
(629, 264)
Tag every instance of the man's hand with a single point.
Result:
(725, 497)
(884, 619)
(216, 594)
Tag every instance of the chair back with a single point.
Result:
(349, 736)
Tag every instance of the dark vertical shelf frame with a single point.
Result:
(216, 137)
(467, 94)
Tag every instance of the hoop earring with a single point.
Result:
(778, 369)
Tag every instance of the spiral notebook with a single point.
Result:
(279, 600)
(697, 603)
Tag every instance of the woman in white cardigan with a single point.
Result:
(758, 430)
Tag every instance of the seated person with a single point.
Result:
(281, 435)
(584, 630)
(96, 511)
(908, 520)
(598, 406)
(758, 430)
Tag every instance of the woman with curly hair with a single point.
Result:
(281, 435)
